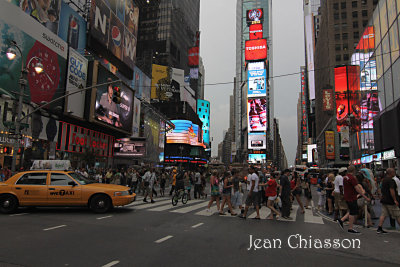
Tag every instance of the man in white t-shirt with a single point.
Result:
(149, 179)
(197, 184)
(340, 203)
(397, 180)
(253, 196)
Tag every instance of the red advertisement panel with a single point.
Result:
(194, 56)
(341, 79)
(256, 31)
(367, 41)
(256, 49)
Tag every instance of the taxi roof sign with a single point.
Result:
(56, 165)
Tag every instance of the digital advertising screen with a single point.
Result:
(310, 152)
(257, 85)
(257, 114)
(255, 31)
(256, 49)
(367, 70)
(166, 83)
(257, 158)
(367, 139)
(128, 148)
(185, 132)
(257, 141)
(367, 41)
(106, 110)
(370, 107)
(203, 110)
(255, 65)
(255, 16)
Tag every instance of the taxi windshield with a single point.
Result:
(81, 179)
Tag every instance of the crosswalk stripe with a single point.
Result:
(263, 213)
(191, 208)
(293, 214)
(204, 212)
(167, 207)
(310, 218)
(140, 201)
(150, 205)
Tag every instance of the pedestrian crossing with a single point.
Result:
(198, 207)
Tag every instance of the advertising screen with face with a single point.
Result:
(257, 85)
(118, 115)
(257, 114)
(127, 148)
(255, 16)
(257, 141)
(166, 83)
(256, 49)
(185, 132)
(370, 107)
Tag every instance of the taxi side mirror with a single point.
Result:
(72, 183)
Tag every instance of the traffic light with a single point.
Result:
(117, 95)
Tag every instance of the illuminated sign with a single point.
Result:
(368, 70)
(203, 110)
(193, 56)
(254, 16)
(127, 148)
(166, 83)
(257, 158)
(185, 132)
(367, 41)
(304, 98)
(257, 141)
(330, 145)
(255, 31)
(327, 97)
(257, 85)
(370, 107)
(257, 114)
(311, 149)
(256, 49)
(255, 65)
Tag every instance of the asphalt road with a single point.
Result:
(135, 236)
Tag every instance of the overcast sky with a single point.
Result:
(217, 48)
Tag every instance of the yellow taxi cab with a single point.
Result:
(60, 188)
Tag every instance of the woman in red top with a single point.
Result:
(271, 194)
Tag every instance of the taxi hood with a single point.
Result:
(108, 187)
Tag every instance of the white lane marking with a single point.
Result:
(197, 225)
(167, 207)
(191, 208)
(264, 212)
(140, 202)
(213, 210)
(111, 264)
(163, 239)
(55, 227)
(312, 203)
(150, 205)
(310, 218)
(19, 214)
(105, 217)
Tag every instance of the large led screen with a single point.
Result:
(257, 85)
(128, 148)
(370, 107)
(257, 114)
(109, 112)
(185, 132)
(255, 16)
(203, 110)
(257, 141)
(257, 158)
(256, 49)
(311, 150)
(166, 83)
(367, 70)
(255, 31)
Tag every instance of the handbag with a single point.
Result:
(214, 190)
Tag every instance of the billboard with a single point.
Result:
(345, 137)
(136, 118)
(37, 44)
(115, 24)
(166, 83)
(256, 49)
(327, 98)
(72, 28)
(203, 110)
(107, 111)
(304, 99)
(329, 144)
(257, 83)
(257, 158)
(185, 132)
(257, 114)
(194, 56)
(255, 16)
(257, 141)
(310, 152)
(76, 79)
(188, 95)
(310, 46)
(255, 31)
(367, 41)
(127, 148)
(141, 84)
(368, 70)
(255, 65)
(370, 107)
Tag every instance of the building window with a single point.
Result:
(364, 13)
(355, 14)
(344, 15)
(336, 27)
(345, 36)
(199, 109)
(356, 35)
(365, 23)
(337, 47)
(363, 2)
(345, 57)
(336, 6)
(338, 58)
(336, 15)
(355, 24)
(337, 36)
(343, 5)
(354, 4)
(345, 47)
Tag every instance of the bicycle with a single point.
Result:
(180, 194)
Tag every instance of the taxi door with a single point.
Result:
(63, 190)
(31, 188)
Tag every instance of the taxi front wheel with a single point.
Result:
(8, 204)
(100, 203)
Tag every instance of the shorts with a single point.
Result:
(339, 201)
(226, 194)
(254, 198)
(297, 192)
(391, 210)
(236, 199)
(353, 207)
(272, 198)
(148, 190)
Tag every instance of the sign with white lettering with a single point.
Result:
(256, 49)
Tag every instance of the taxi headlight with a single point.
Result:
(121, 193)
